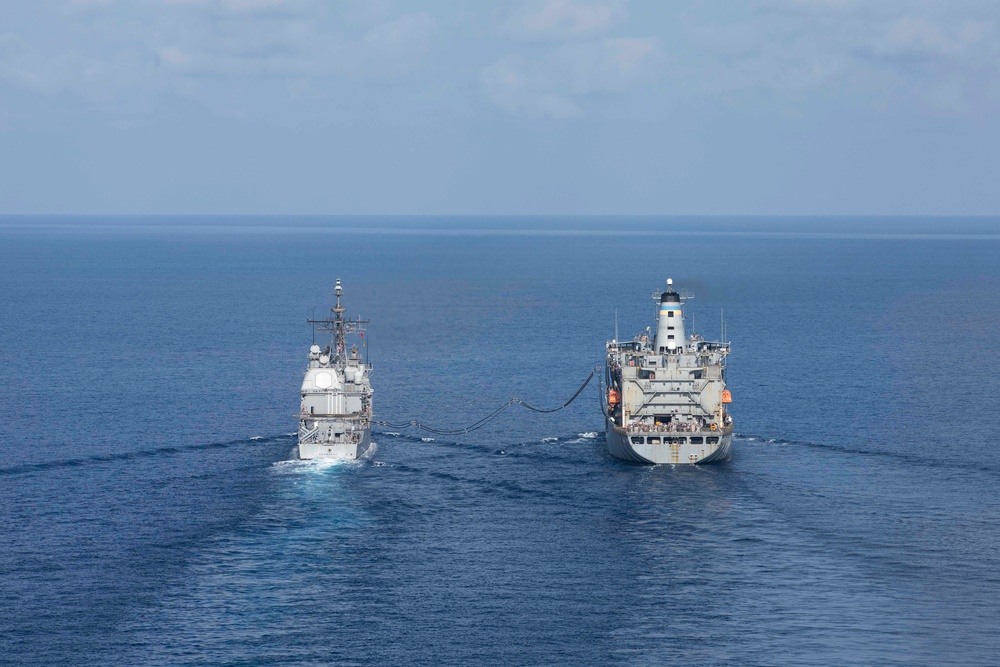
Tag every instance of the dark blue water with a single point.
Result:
(150, 512)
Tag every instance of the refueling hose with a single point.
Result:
(491, 416)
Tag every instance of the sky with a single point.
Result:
(561, 107)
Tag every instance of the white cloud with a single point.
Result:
(810, 5)
(174, 56)
(880, 56)
(558, 84)
(23, 64)
(917, 35)
(559, 56)
(514, 85)
(294, 47)
(401, 37)
(561, 19)
(239, 59)
(254, 5)
(945, 63)
(235, 6)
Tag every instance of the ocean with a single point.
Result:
(152, 511)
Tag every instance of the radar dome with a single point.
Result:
(324, 380)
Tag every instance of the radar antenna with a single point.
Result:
(338, 326)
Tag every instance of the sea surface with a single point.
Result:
(152, 510)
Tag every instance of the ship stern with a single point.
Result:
(658, 447)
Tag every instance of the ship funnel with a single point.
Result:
(670, 327)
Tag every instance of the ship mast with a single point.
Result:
(339, 327)
(340, 340)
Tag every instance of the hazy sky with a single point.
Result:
(545, 106)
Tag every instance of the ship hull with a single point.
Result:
(620, 446)
(318, 449)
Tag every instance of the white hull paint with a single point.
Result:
(335, 450)
(620, 447)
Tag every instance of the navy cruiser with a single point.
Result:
(666, 397)
(335, 418)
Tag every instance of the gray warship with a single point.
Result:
(335, 419)
(666, 398)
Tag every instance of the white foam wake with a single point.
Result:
(296, 465)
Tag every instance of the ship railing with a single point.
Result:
(332, 415)
(346, 438)
(335, 391)
(639, 427)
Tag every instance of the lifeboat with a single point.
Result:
(726, 396)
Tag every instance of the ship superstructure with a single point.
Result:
(335, 418)
(666, 395)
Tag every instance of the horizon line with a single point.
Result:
(520, 215)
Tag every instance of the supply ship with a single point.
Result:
(335, 419)
(666, 398)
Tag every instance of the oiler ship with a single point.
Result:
(666, 397)
(335, 418)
